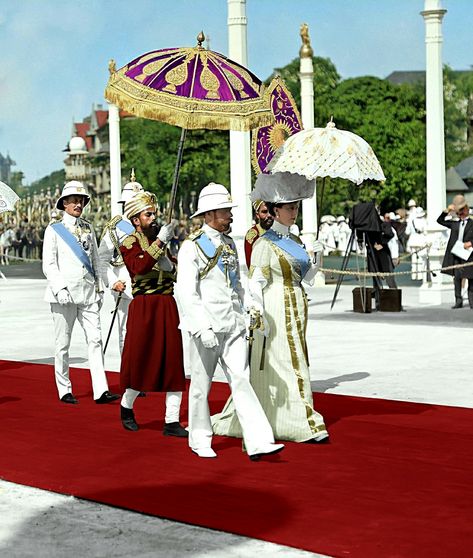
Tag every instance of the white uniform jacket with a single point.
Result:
(111, 265)
(62, 267)
(207, 299)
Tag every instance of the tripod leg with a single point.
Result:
(346, 257)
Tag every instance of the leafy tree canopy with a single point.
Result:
(56, 178)
(391, 118)
(151, 148)
(458, 99)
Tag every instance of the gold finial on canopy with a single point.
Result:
(200, 39)
(112, 68)
(306, 49)
(132, 176)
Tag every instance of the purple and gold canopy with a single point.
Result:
(267, 139)
(192, 88)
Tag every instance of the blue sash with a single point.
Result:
(297, 251)
(74, 245)
(125, 227)
(209, 250)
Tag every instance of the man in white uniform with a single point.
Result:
(113, 271)
(210, 302)
(70, 264)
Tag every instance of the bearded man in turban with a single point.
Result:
(152, 353)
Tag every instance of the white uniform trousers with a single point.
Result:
(233, 354)
(173, 403)
(64, 317)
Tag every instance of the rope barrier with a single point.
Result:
(392, 273)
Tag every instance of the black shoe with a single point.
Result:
(128, 419)
(69, 398)
(457, 305)
(107, 397)
(175, 429)
(271, 449)
(325, 440)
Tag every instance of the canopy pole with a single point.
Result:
(177, 168)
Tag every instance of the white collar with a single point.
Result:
(211, 232)
(69, 219)
(280, 229)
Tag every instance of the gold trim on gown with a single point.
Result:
(283, 384)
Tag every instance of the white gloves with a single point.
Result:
(317, 246)
(63, 297)
(167, 232)
(209, 339)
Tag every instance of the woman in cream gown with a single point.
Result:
(279, 358)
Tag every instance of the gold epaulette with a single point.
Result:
(111, 224)
(195, 235)
(129, 241)
(251, 236)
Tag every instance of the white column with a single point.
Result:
(240, 149)
(440, 289)
(309, 206)
(436, 190)
(115, 161)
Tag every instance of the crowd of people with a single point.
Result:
(22, 233)
(410, 227)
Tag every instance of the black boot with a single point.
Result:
(175, 429)
(128, 419)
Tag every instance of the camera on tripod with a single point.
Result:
(372, 236)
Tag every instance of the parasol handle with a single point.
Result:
(177, 168)
(319, 208)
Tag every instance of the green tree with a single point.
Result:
(151, 148)
(391, 118)
(56, 178)
(458, 93)
(16, 181)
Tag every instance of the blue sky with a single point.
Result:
(54, 53)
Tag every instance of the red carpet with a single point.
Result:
(395, 481)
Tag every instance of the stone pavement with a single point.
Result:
(422, 354)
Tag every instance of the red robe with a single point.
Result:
(152, 354)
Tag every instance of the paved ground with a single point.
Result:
(422, 354)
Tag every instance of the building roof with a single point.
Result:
(465, 168)
(101, 118)
(401, 76)
(81, 129)
(454, 181)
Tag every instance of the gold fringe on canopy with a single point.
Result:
(188, 113)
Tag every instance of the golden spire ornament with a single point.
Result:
(306, 48)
